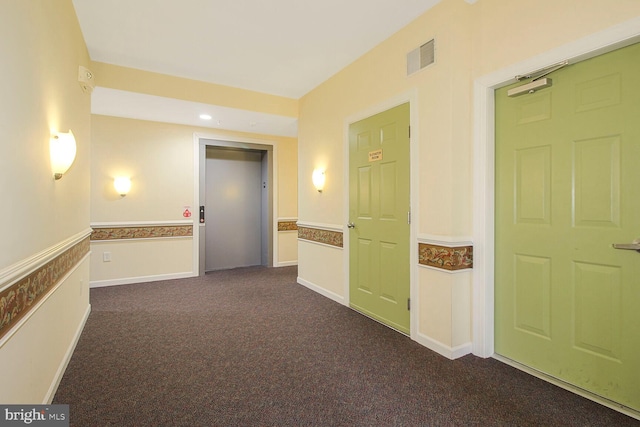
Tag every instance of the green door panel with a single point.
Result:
(378, 206)
(567, 188)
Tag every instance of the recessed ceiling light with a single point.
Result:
(205, 117)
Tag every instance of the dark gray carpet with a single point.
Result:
(250, 347)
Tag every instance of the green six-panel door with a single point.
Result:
(379, 189)
(567, 188)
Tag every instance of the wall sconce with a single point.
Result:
(122, 185)
(62, 149)
(318, 179)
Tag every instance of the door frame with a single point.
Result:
(612, 38)
(200, 143)
(410, 97)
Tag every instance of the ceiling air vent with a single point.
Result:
(421, 57)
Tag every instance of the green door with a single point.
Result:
(378, 212)
(568, 188)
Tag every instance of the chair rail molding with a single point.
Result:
(19, 270)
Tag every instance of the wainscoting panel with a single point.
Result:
(21, 294)
(287, 242)
(135, 252)
(44, 303)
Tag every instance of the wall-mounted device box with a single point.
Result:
(85, 79)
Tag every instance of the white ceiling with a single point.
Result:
(280, 47)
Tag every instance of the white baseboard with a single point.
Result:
(442, 349)
(333, 296)
(140, 279)
(287, 263)
(67, 358)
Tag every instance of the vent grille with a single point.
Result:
(421, 57)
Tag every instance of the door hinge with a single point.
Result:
(409, 132)
(409, 217)
(409, 304)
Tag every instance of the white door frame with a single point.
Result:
(200, 142)
(620, 35)
(412, 98)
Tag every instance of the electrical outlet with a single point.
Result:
(106, 256)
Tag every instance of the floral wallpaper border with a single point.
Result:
(287, 225)
(20, 298)
(446, 258)
(144, 232)
(332, 238)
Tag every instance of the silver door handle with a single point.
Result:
(351, 225)
(633, 246)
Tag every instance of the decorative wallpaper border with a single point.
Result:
(20, 298)
(332, 238)
(445, 258)
(143, 232)
(287, 225)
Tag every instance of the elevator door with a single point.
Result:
(233, 208)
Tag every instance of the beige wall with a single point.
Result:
(159, 159)
(444, 115)
(471, 41)
(132, 80)
(287, 248)
(141, 260)
(506, 32)
(324, 264)
(41, 47)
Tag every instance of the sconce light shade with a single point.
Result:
(122, 185)
(62, 149)
(318, 179)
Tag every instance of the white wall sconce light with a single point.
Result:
(122, 184)
(318, 179)
(62, 149)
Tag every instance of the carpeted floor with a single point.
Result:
(251, 347)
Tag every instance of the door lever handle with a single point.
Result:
(633, 246)
(351, 225)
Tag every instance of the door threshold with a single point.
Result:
(570, 387)
(371, 316)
